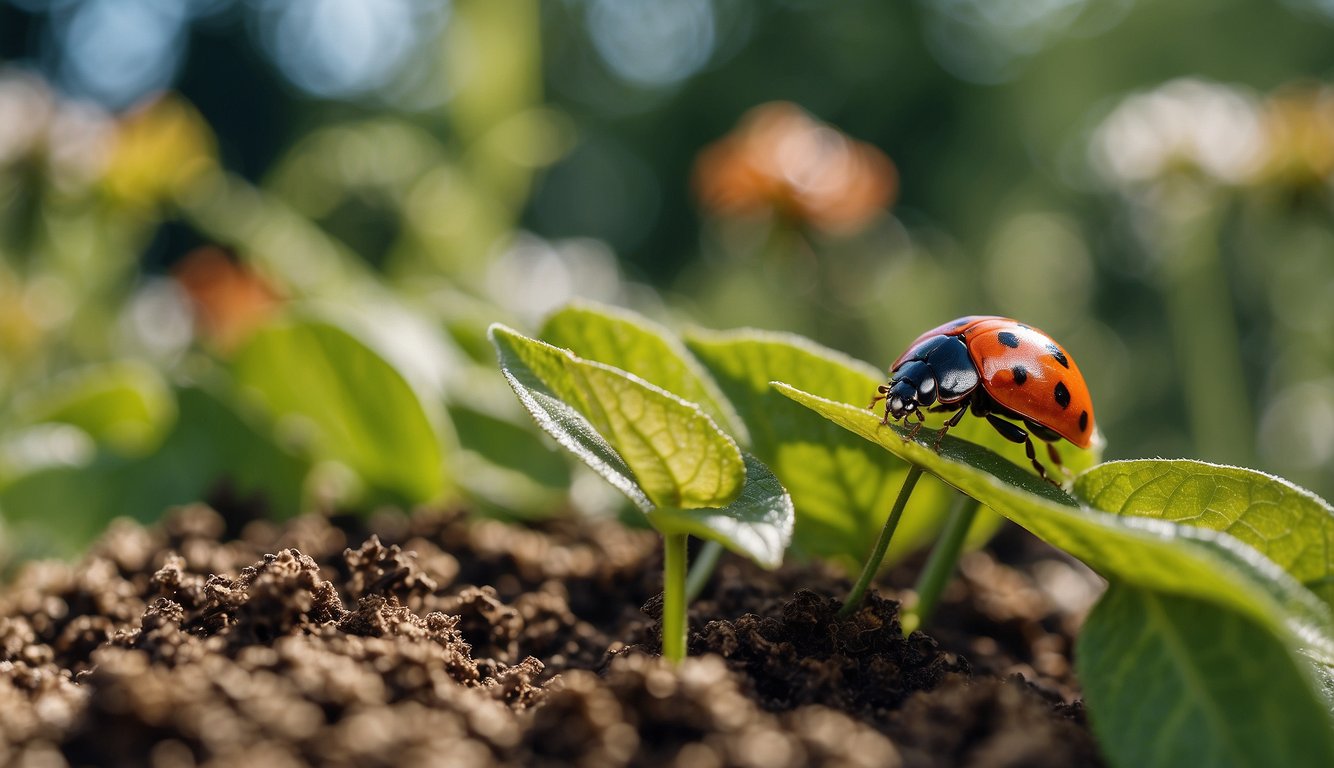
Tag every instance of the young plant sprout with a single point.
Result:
(675, 464)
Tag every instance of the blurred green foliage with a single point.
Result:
(261, 272)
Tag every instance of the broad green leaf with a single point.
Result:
(1289, 525)
(841, 485)
(647, 442)
(126, 406)
(348, 404)
(755, 520)
(506, 466)
(1173, 681)
(758, 524)
(1152, 554)
(509, 445)
(633, 343)
(211, 449)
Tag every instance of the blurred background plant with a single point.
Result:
(223, 222)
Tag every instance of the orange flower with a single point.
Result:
(230, 299)
(780, 159)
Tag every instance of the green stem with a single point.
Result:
(700, 570)
(940, 565)
(882, 544)
(674, 596)
(1203, 324)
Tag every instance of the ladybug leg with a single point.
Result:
(912, 435)
(1056, 459)
(1016, 434)
(1050, 438)
(953, 422)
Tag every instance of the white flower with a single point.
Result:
(1183, 126)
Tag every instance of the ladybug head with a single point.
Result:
(911, 387)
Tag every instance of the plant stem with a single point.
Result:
(1203, 324)
(674, 596)
(940, 565)
(700, 570)
(882, 544)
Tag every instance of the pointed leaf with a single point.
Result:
(353, 406)
(1173, 681)
(1289, 525)
(650, 444)
(635, 344)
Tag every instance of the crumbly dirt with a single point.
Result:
(440, 640)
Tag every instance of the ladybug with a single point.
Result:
(1001, 369)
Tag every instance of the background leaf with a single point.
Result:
(1289, 525)
(1173, 681)
(349, 405)
(633, 343)
(125, 405)
(652, 445)
(210, 450)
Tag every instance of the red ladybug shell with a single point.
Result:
(1024, 370)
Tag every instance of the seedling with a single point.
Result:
(1192, 615)
(663, 452)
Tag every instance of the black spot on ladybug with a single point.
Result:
(1020, 374)
(1058, 354)
(1008, 339)
(1062, 395)
(1083, 421)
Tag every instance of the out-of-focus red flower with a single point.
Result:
(230, 299)
(781, 160)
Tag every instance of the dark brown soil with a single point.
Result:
(443, 641)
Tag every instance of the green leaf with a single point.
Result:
(658, 449)
(1289, 525)
(126, 406)
(506, 467)
(635, 344)
(841, 485)
(1173, 681)
(1153, 554)
(347, 403)
(59, 509)
(758, 524)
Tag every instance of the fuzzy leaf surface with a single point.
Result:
(1289, 525)
(637, 345)
(658, 449)
(758, 524)
(755, 520)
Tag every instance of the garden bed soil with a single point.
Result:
(439, 640)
